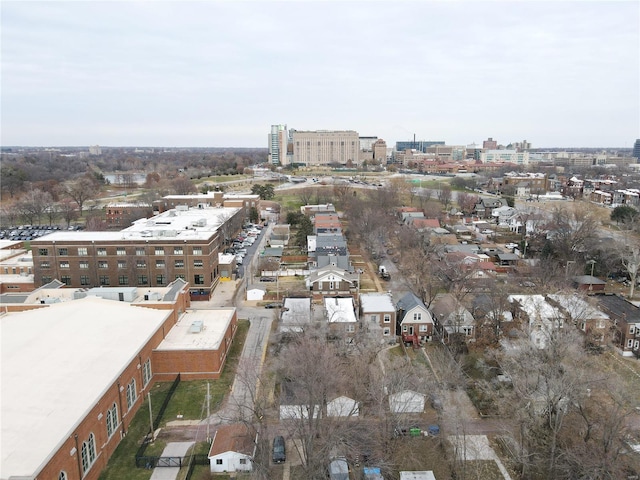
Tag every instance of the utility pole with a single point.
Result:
(208, 413)
(150, 413)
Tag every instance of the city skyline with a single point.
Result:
(219, 74)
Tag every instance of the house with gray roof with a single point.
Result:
(413, 320)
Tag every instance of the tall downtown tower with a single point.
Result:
(278, 145)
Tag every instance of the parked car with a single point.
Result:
(273, 305)
(279, 454)
(267, 279)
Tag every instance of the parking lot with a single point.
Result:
(23, 233)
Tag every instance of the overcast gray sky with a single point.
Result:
(219, 73)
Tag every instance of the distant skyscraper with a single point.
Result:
(278, 145)
(636, 149)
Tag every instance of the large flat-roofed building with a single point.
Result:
(77, 367)
(325, 147)
(73, 376)
(179, 243)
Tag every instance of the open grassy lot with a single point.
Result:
(187, 400)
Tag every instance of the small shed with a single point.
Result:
(232, 449)
(256, 293)
(343, 407)
(418, 475)
(588, 282)
(406, 401)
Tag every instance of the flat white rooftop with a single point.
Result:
(176, 224)
(376, 302)
(57, 363)
(198, 330)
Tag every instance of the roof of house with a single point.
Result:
(232, 438)
(296, 310)
(409, 301)
(450, 311)
(376, 302)
(339, 309)
(619, 308)
(330, 270)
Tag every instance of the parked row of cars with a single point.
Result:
(245, 239)
(29, 232)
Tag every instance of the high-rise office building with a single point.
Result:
(278, 145)
(636, 149)
(490, 144)
(325, 147)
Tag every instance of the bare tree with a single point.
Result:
(33, 204)
(305, 195)
(630, 258)
(80, 191)
(68, 210)
(444, 195)
(466, 202)
(183, 186)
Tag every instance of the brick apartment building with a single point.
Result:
(180, 243)
(78, 365)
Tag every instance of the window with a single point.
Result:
(64, 264)
(630, 343)
(198, 263)
(197, 250)
(332, 285)
(121, 251)
(387, 318)
(143, 280)
(374, 318)
(88, 453)
(141, 264)
(417, 317)
(46, 279)
(177, 251)
(112, 419)
(218, 461)
(102, 252)
(160, 280)
(423, 328)
(159, 251)
(179, 263)
(63, 251)
(122, 264)
(62, 475)
(82, 251)
(180, 275)
(198, 279)
(243, 461)
(123, 280)
(386, 331)
(84, 265)
(43, 251)
(632, 330)
(66, 279)
(351, 328)
(160, 264)
(44, 265)
(84, 280)
(139, 251)
(146, 372)
(103, 264)
(104, 280)
(131, 393)
(404, 328)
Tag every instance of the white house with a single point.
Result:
(343, 407)
(543, 317)
(232, 449)
(406, 401)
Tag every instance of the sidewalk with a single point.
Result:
(173, 449)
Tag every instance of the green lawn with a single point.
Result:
(187, 400)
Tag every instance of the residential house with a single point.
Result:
(331, 280)
(232, 449)
(407, 401)
(485, 207)
(341, 317)
(296, 314)
(413, 320)
(626, 320)
(452, 319)
(589, 283)
(332, 250)
(543, 318)
(588, 319)
(377, 309)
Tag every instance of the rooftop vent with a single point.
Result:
(196, 326)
